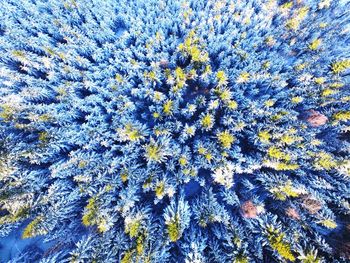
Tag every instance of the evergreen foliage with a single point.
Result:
(176, 131)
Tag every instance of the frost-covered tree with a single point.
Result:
(175, 131)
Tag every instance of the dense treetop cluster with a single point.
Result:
(176, 131)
